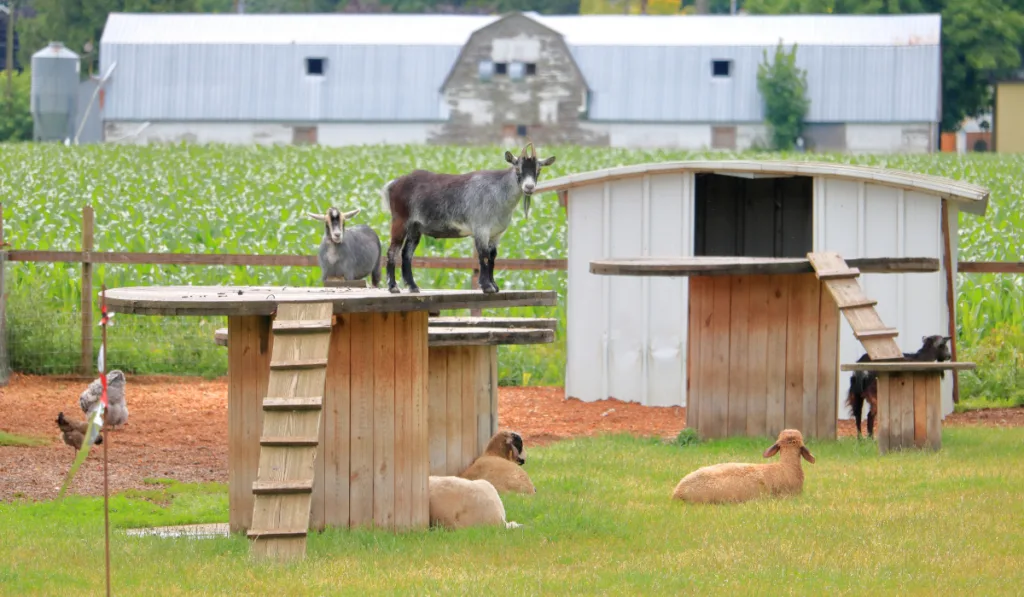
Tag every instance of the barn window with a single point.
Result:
(516, 71)
(521, 130)
(721, 68)
(500, 68)
(759, 217)
(486, 70)
(315, 66)
(531, 69)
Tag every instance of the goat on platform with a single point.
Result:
(864, 384)
(352, 253)
(477, 204)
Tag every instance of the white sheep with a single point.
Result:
(457, 503)
(501, 464)
(739, 482)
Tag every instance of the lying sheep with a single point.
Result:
(501, 464)
(739, 482)
(457, 503)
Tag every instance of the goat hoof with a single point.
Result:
(393, 289)
(414, 289)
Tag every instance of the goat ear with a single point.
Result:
(351, 214)
(807, 454)
(772, 450)
(547, 161)
(510, 158)
(316, 216)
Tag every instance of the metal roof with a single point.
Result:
(579, 30)
(971, 198)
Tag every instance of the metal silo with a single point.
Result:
(55, 78)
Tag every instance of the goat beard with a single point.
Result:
(526, 206)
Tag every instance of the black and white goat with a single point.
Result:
(352, 253)
(864, 384)
(477, 204)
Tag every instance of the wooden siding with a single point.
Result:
(767, 356)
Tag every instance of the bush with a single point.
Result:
(15, 115)
(783, 87)
(687, 437)
(999, 378)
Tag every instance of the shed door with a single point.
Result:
(760, 217)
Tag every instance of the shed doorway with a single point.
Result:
(753, 217)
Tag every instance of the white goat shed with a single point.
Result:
(626, 335)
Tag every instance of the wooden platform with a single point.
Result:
(462, 410)
(909, 402)
(373, 431)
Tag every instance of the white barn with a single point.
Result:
(626, 336)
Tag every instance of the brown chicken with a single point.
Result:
(73, 432)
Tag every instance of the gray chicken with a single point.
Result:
(117, 411)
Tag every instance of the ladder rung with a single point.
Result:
(302, 325)
(289, 442)
(281, 487)
(861, 303)
(838, 274)
(300, 364)
(276, 533)
(882, 333)
(311, 403)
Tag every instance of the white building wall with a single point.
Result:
(627, 335)
(251, 133)
(891, 138)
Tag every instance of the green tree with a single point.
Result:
(15, 117)
(783, 87)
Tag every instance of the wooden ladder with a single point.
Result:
(292, 408)
(841, 281)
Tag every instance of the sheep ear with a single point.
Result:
(772, 450)
(807, 454)
(351, 214)
(510, 158)
(316, 216)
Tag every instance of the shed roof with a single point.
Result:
(579, 30)
(970, 197)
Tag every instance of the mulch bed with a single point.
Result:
(178, 429)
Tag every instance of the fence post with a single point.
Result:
(474, 284)
(87, 237)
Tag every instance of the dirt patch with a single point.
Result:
(178, 429)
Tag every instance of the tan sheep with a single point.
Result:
(739, 482)
(457, 503)
(501, 464)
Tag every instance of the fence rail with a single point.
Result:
(87, 257)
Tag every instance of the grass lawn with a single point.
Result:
(602, 523)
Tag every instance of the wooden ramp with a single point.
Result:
(841, 281)
(291, 429)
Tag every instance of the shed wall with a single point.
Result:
(626, 335)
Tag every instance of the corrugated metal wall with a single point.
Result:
(845, 84)
(394, 82)
(254, 82)
(626, 335)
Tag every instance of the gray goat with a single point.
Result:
(352, 253)
(477, 204)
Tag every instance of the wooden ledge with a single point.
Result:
(748, 266)
(908, 367)
(474, 332)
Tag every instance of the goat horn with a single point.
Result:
(316, 216)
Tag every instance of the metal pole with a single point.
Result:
(106, 442)
(732, 7)
(11, 11)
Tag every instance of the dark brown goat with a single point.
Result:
(864, 384)
(477, 204)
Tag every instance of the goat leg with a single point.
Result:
(492, 253)
(397, 241)
(485, 280)
(856, 402)
(412, 240)
(871, 423)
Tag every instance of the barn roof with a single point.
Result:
(579, 30)
(970, 197)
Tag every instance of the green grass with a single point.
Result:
(916, 523)
(219, 199)
(11, 439)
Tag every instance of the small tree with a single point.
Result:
(783, 87)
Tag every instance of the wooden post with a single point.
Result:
(947, 264)
(87, 238)
(3, 305)
(474, 283)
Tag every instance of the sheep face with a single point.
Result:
(508, 445)
(791, 439)
(516, 451)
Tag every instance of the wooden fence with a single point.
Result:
(87, 257)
